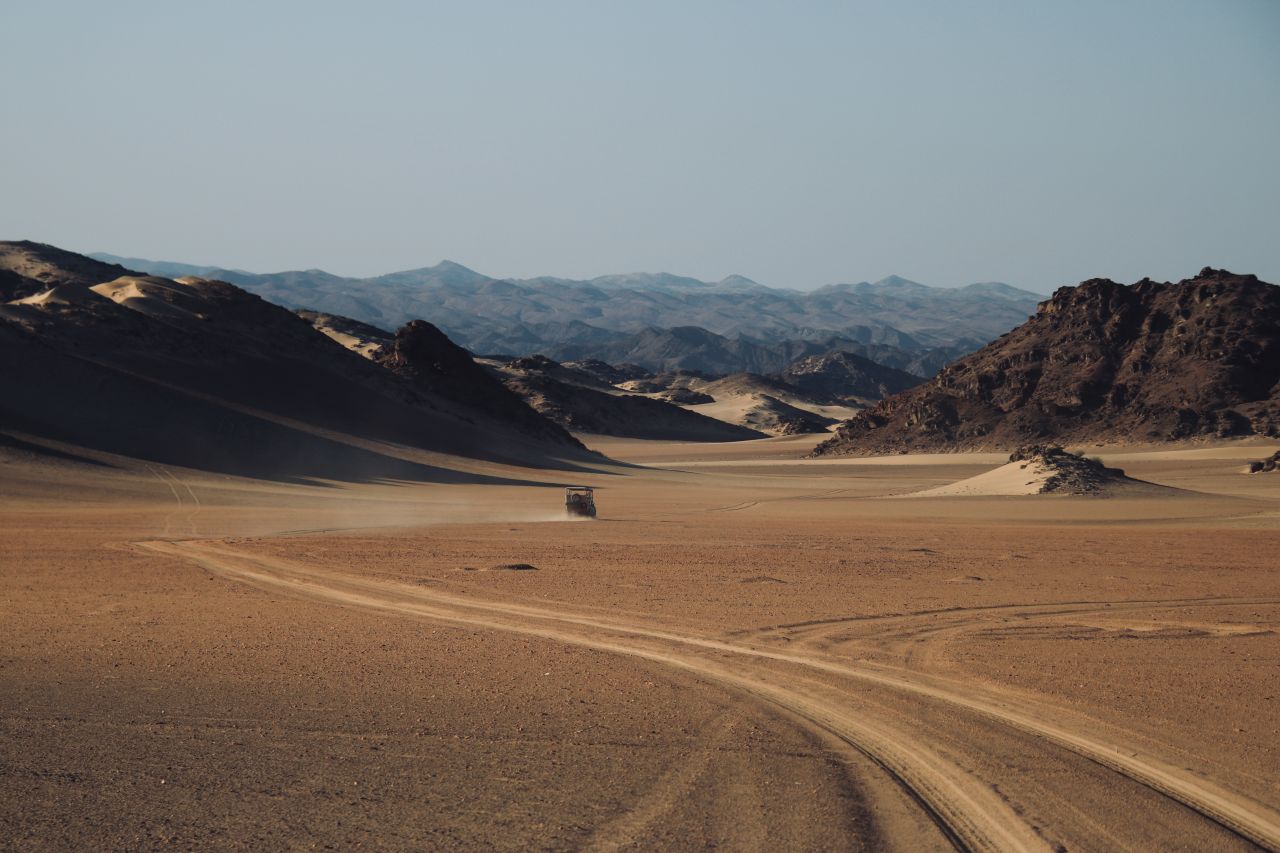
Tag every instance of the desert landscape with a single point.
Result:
(284, 579)
(747, 649)
(633, 427)
(278, 579)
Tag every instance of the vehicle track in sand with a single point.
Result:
(915, 639)
(164, 475)
(938, 739)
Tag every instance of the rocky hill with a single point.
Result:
(1048, 470)
(763, 403)
(199, 373)
(1101, 362)
(426, 358)
(609, 374)
(583, 406)
(28, 268)
(772, 416)
(845, 376)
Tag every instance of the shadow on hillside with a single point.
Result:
(82, 405)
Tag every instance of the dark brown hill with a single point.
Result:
(847, 376)
(608, 374)
(201, 374)
(1100, 362)
(424, 356)
(552, 390)
(587, 410)
(28, 268)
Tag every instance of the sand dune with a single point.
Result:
(62, 295)
(157, 297)
(1028, 478)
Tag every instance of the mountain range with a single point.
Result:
(201, 373)
(602, 317)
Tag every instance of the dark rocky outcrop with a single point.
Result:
(424, 355)
(1100, 362)
(1261, 466)
(1070, 473)
(845, 376)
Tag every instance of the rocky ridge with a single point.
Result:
(1100, 362)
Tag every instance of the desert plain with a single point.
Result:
(747, 649)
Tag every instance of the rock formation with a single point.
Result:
(1100, 362)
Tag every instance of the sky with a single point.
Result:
(796, 143)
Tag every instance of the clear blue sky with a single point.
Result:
(797, 143)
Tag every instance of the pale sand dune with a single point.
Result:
(1013, 478)
(63, 294)
(739, 408)
(153, 295)
(355, 343)
(1028, 478)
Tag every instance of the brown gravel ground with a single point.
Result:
(146, 700)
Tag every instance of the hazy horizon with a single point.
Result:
(533, 276)
(1033, 145)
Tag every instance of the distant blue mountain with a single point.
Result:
(548, 314)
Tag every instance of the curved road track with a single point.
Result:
(992, 769)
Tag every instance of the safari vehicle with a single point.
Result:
(580, 501)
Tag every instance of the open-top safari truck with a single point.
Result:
(580, 501)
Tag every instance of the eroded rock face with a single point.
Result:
(846, 376)
(1101, 362)
(426, 357)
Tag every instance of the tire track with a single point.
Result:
(167, 477)
(664, 796)
(970, 812)
(168, 519)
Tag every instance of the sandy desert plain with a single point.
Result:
(746, 650)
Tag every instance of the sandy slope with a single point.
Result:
(753, 410)
(1032, 477)
(746, 650)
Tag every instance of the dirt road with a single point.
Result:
(993, 770)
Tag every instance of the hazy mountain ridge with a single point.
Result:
(483, 313)
(696, 348)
